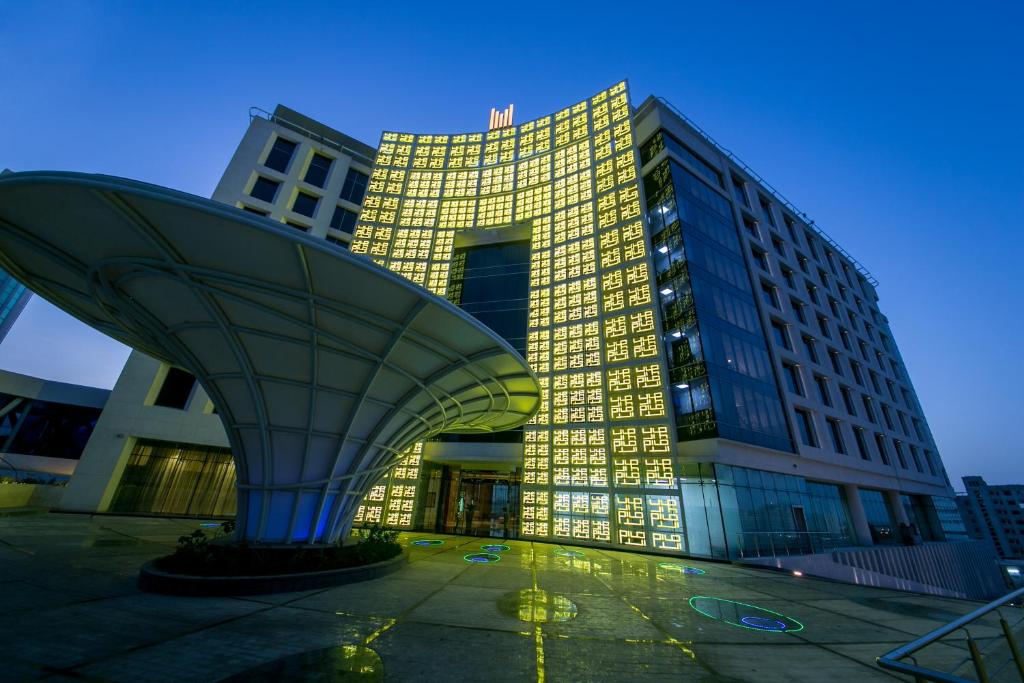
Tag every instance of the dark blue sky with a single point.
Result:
(897, 126)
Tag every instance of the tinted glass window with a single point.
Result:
(343, 219)
(176, 389)
(265, 189)
(305, 204)
(280, 154)
(354, 187)
(319, 167)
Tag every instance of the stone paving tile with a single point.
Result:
(70, 610)
(431, 652)
(601, 660)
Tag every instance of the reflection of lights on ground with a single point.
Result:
(348, 662)
(423, 542)
(679, 567)
(568, 553)
(495, 548)
(481, 558)
(210, 525)
(536, 605)
(742, 615)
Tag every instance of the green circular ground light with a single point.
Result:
(681, 568)
(743, 615)
(496, 548)
(482, 558)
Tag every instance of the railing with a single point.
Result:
(256, 112)
(990, 652)
(785, 543)
(778, 195)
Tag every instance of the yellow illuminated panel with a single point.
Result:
(393, 501)
(598, 459)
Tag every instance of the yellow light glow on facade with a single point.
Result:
(598, 459)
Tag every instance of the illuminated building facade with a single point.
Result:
(598, 463)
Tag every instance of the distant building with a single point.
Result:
(13, 298)
(45, 425)
(995, 513)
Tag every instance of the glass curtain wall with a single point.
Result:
(721, 373)
(750, 513)
(177, 479)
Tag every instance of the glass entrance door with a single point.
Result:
(480, 503)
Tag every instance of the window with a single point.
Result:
(914, 454)
(766, 209)
(787, 275)
(903, 422)
(845, 336)
(790, 228)
(280, 154)
(354, 187)
(857, 375)
(805, 424)
(812, 293)
(779, 247)
(887, 416)
(835, 429)
(811, 245)
(737, 186)
(898, 445)
(836, 365)
(823, 278)
(319, 167)
(931, 463)
(834, 305)
(761, 258)
(176, 389)
(810, 347)
(823, 391)
(770, 296)
(343, 219)
(265, 189)
(751, 225)
(863, 350)
(305, 204)
(869, 408)
(842, 293)
(781, 335)
(258, 212)
(298, 226)
(793, 380)
(848, 400)
(802, 260)
(874, 381)
(798, 310)
(823, 327)
(862, 443)
(883, 450)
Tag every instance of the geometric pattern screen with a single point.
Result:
(598, 459)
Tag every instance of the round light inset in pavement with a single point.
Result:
(742, 615)
(536, 605)
(568, 553)
(482, 558)
(425, 542)
(764, 623)
(348, 662)
(495, 548)
(680, 567)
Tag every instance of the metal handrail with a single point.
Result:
(858, 266)
(892, 660)
(256, 112)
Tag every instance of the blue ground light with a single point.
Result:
(682, 568)
(481, 558)
(568, 553)
(742, 615)
(425, 542)
(495, 548)
(209, 525)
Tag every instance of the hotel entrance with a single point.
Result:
(474, 502)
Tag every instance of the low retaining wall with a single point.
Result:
(153, 580)
(29, 496)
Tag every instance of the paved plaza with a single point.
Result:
(70, 610)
